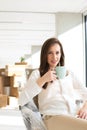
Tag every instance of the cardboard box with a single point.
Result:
(3, 100)
(1, 84)
(2, 71)
(6, 90)
(6, 80)
(14, 92)
(16, 70)
(12, 101)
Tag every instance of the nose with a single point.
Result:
(54, 56)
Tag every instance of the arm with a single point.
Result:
(31, 89)
(47, 77)
(82, 113)
(34, 85)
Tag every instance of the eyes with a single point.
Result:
(50, 52)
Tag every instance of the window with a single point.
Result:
(86, 46)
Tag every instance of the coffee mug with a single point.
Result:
(60, 71)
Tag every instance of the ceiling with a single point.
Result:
(50, 6)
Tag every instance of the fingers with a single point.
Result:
(82, 115)
(53, 71)
(53, 75)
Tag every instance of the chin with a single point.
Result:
(53, 66)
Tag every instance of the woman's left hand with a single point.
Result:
(82, 113)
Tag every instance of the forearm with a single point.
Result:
(29, 93)
(41, 81)
(85, 105)
(47, 77)
(82, 113)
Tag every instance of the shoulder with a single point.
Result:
(74, 77)
(69, 72)
(35, 73)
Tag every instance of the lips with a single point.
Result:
(54, 62)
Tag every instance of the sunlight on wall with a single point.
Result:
(73, 47)
(34, 60)
(20, 30)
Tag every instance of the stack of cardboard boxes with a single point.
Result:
(11, 78)
(3, 98)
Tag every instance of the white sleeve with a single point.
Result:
(31, 89)
(77, 84)
(79, 87)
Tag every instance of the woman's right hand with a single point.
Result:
(49, 76)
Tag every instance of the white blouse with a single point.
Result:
(58, 98)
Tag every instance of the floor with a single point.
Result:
(11, 120)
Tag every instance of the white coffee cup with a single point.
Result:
(60, 71)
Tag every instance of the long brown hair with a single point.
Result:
(44, 66)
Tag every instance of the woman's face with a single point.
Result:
(54, 55)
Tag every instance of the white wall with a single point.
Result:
(18, 31)
(69, 30)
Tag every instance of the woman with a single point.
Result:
(55, 96)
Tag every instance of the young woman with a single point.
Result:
(55, 96)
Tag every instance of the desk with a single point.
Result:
(11, 120)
